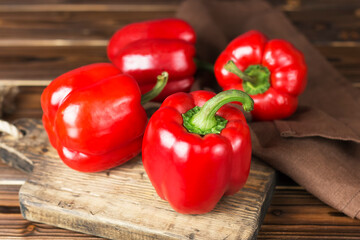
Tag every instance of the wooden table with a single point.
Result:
(41, 40)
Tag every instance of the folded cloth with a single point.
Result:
(319, 146)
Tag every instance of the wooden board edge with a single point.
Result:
(32, 210)
(266, 203)
(59, 217)
(15, 159)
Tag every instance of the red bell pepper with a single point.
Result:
(143, 50)
(195, 150)
(272, 72)
(169, 28)
(94, 118)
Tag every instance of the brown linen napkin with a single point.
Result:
(319, 146)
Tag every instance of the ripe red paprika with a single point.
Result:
(272, 72)
(196, 149)
(145, 49)
(94, 117)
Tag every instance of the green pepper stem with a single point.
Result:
(231, 67)
(205, 118)
(156, 90)
(200, 64)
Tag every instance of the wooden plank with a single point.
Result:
(9, 195)
(27, 104)
(51, 60)
(341, 56)
(122, 202)
(56, 2)
(309, 232)
(53, 42)
(24, 113)
(46, 62)
(322, 21)
(11, 180)
(296, 197)
(310, 215)
(288, 203)
(73, 7)
(346, 16)
(345, 59)
(296, 214)
(29, 98)
(303, 5)
(14, 226)
(66, 24)
(10, 176)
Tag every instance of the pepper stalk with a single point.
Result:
(256, 78)
(156, 90)
(203, 120)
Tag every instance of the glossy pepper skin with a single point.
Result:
(286, 69)
(144, 50)
(192, 171)
(169, 28)
(93, 117)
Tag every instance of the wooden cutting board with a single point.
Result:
(121, 203)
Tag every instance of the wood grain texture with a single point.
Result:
(331, 25)
(42, 40)
(12, 223)
(10, 181)
(14, 226)
(121, 203)
(324, 21)
(46, 62)
(34, 63)
(9, 196)
(321, 21)
(296, 214)
(73, 21)
(288, 205)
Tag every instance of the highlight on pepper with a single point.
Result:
(273, 72)
(197, 148)
(143, 49)
(94, 117)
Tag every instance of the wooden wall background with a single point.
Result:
(43, 38)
